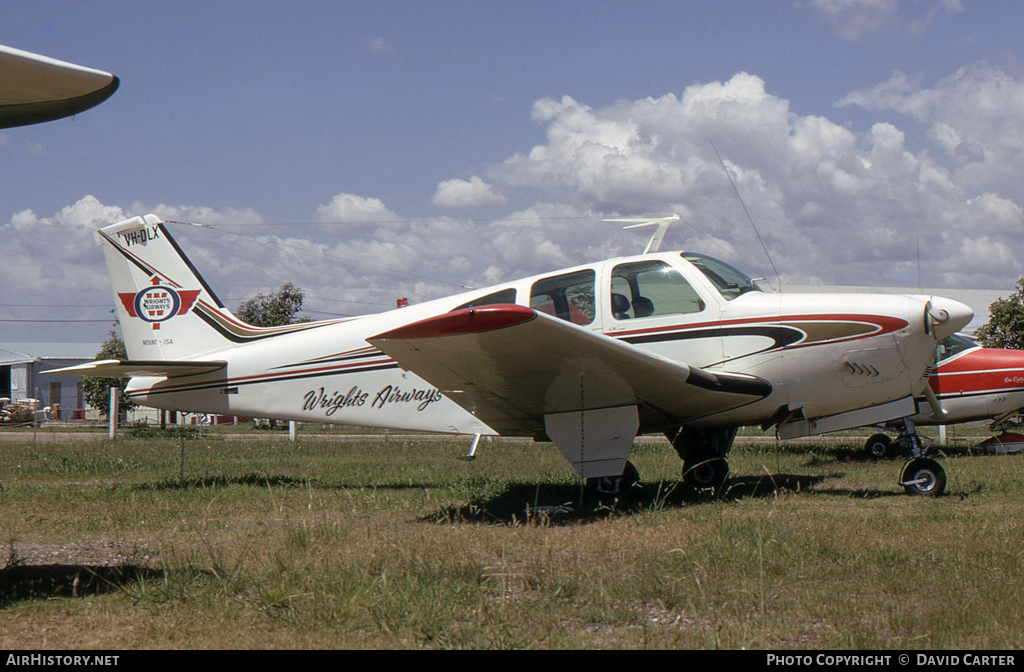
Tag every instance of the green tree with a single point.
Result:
(1005, 326)
(96, 391)
(273, 310)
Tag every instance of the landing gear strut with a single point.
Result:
(921, 476)
(614, 486)
(705, 455)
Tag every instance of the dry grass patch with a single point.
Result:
(397, 545)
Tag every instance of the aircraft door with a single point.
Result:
(653, 306)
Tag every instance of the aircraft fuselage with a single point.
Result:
(823, 354)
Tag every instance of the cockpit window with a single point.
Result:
(953, 345)
(569, 297)
(729, 281)
(651, 289)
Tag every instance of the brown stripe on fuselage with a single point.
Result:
(818, 332)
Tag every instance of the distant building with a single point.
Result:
(22, 364)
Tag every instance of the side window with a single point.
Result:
(502, 296)
(952, 345)
(651, 289)
(568, 297)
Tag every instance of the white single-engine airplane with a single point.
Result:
(588, 357)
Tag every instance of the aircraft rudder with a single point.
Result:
(160, 297)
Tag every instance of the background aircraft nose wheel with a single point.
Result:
(707, 473)
(615, 486)
(879, 447)
(923, 476)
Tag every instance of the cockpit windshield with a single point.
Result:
(729, 281)
(953, 345)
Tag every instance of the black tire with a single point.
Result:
(879, 447)
(615, 486)
(710, 472)
(923, 477)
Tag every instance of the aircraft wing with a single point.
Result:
(116, 368)
(510, 366)
(35, 88)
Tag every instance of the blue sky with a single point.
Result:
(486, 140)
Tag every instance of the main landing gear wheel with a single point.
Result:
(923, 477)
(710, 472)
(879, 447)
(615, 486)
(705, 455)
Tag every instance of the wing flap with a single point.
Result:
(510, 366)
(116, 368)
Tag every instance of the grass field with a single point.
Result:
(390, 544)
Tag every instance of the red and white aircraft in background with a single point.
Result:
(969, 383)
(588, 357)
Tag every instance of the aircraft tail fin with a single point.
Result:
(166, 310)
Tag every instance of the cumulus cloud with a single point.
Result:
(352, 208)
(475, 193)
(850, 19)
(834, 204)
(53, 259)
(975, 117)
(201, 215)
(87, 213)
(381, 45)
(853, 19)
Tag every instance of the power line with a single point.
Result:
(400, 221)
(56, 305)
(320, 298)
(108, 320)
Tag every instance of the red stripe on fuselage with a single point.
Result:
(984, 359)
(979, 371)
(885, 323)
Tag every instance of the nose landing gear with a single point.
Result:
(921, 476)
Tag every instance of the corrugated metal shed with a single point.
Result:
(22, 364)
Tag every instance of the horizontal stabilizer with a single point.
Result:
(116, 368)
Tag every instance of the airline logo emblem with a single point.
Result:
(158, 303)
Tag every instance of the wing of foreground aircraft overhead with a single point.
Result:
(35, 89)
(511, 366)
(116, 368)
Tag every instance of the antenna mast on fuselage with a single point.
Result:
(662, 222)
